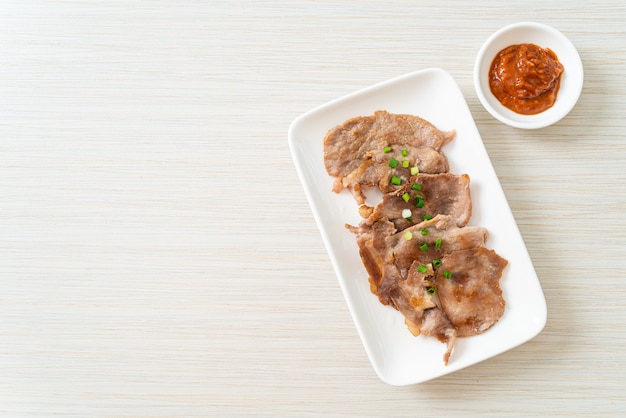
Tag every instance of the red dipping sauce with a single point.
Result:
(525, 78)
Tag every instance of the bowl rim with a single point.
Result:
(542, 119)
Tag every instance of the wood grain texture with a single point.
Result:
(157, 253)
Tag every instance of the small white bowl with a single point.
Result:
(545, 37)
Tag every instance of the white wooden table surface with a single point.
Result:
(157, 253)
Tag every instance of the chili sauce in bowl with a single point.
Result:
(528, 75)
(525, 78)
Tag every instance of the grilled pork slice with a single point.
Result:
(468, 297)
(431, 240)
(374, 252)
(388, 254)
(412, 298)
(374, 171)
(426, 195)
(471, 296)
(358, 152)
(437, 325)
(416, 299)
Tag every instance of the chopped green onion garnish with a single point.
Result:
(438, 243)
(408, 235)
(404, 152)
(436, 263)
(415, 171)
(405, 164)
(416, 186)
(447, 274)
(422, 268)
(387, 150)
(419, 202)
(396, 180)
(393, 163)
(424, 232)
(424, 247)
(409, 218)
(431, 291)
(406, 213)
(406, 197)
(427, 217)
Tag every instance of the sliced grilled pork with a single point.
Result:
(387, 254)
(471, 296)
(442, 236)
(355, 152)
(411, 297)
(426, 195)
(436, 324)
(421, 257)
(374, 251)
(416, 299)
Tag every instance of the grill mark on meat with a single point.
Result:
(387, 254)
(353, 151)
(472, 297)
(445, 193)
(441, 228)
(421, 310)
(374, 170)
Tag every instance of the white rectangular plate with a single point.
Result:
(397, 357)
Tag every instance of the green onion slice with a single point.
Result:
(424, 232)
(406, 197)
(447, 274)
(404, 152)
(393, 163)
(422, 268)
(436, 263)
(424, 247)
(415, 171)
(416, 186)
(431, 291)
(387, 150)
(396, 180)
(438, 243)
